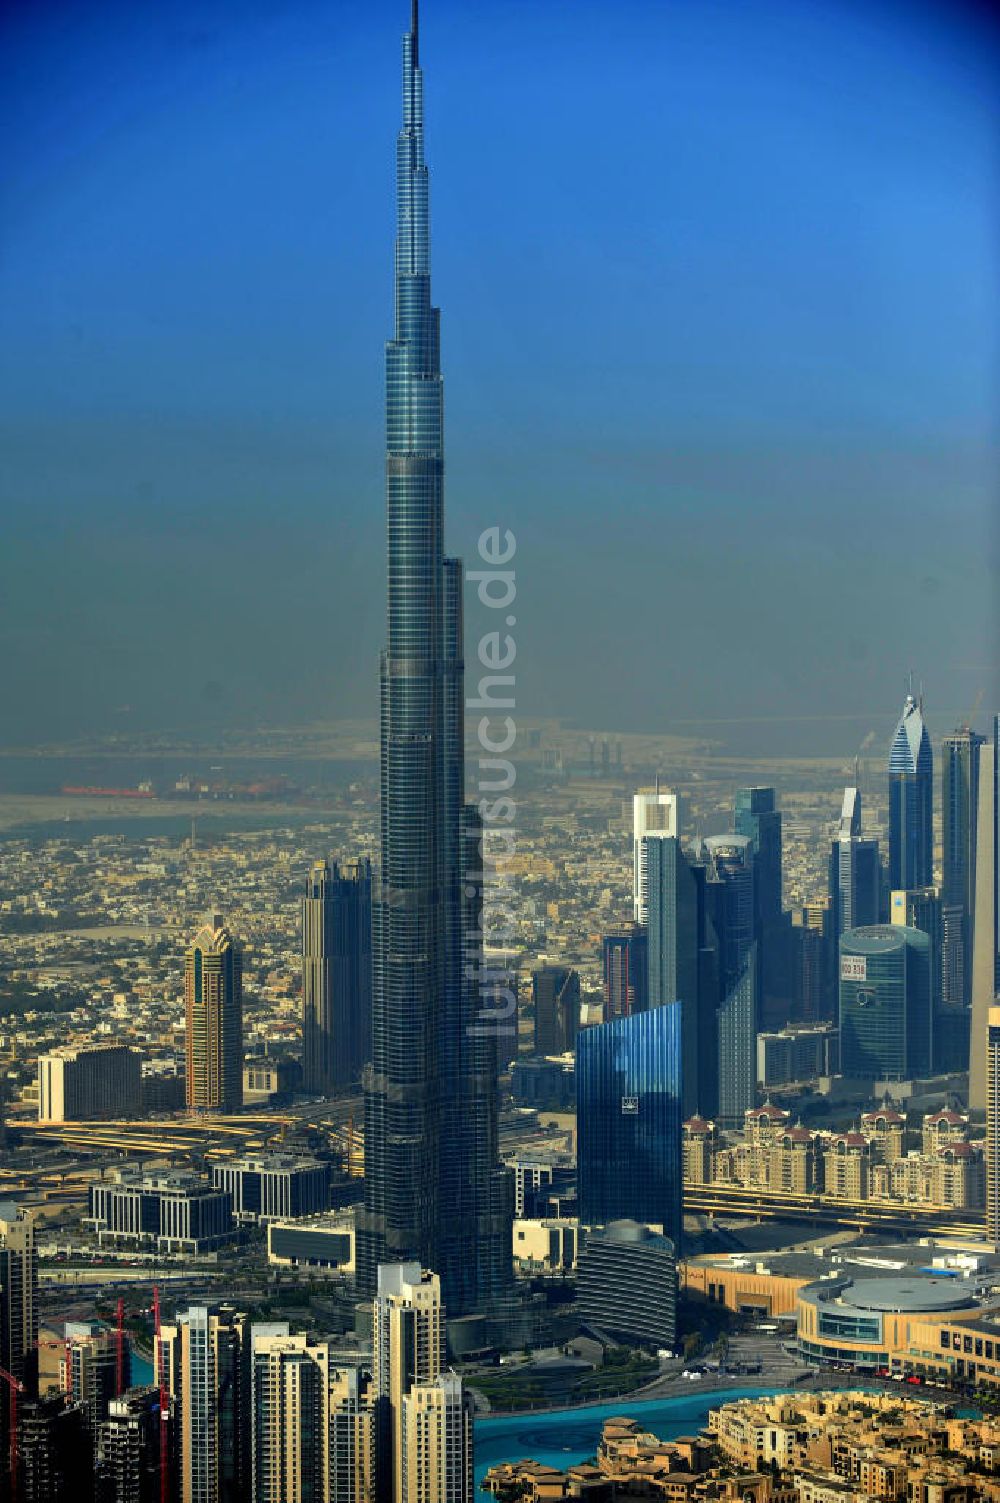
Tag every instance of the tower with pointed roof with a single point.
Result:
(911, 800)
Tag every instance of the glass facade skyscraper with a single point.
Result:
(911, 800)
(730, 897)
(430, 1091)
(756, 817)
(683, 960)
(336, 975)
(886, 1016)
(628, 1103)
(960, 767)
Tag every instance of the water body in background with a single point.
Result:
(50, 774)
(561, 1437)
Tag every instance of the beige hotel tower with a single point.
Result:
(213, 1005)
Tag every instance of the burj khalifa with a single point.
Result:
(434, 1191)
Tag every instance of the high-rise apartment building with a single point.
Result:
(960, 768)
(56, 1461)
(84, 1084)
(290, 1420)
(128, 1449)
(213, 1004)
(205, 1361)
(886, 1018)
(556, 993)
(920, 909)
(992, 1053)
(855, 871)
(18, 1293)
(683, 965)
(423, 1417)
(336, 975)
(730, 900)
(624, 963)
(430, 1092)
(654, 812)
(89, 1369)
(911, 800)
(985, 915)
(628, 1104)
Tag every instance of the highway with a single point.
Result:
(861, 1216)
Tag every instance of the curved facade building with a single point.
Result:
(914, 1323)
(885, 1002)
(911, 800)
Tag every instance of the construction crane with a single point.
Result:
(16, 1386)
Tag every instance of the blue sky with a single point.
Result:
(718, 281)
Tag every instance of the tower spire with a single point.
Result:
(415, 30)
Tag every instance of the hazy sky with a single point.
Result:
(719, 293)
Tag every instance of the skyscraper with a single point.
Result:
(911, 800)
(628, 1105)
(985, 916)
(992, 1054)
(960, 768)
(205, 1362)
(855, 871)
(423, 1423)
(556, 991)
(18, 1292)
(128, 1448)
(683, 964)
(289, 1417)
(654, 812)
(756, 817)
(430, 1092)
(336, 975)
(624, 964)
(730, 902)
(885, 1002)
(213, 1003)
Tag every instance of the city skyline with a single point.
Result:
(795, 346)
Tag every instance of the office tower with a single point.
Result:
(921, 909)
(625, 960)
(855, 871)
(81, 1085)
(424, 1089)
(205, 1363)
(171, 1213)
(336, 975)
(290, 1377)
(814, 923)
(886, 1019)
(556, 991)
(88, 1369)
(627, 1285)
(730, 904)
(683, 964)
(960, 766)
(654, 812)
(128, 1449)
(756, 817)
(911, 800)
(423, 1420)
(985, 915)
(264, 1187)
(213, 1003)
(992, 1053)
(18, 1294)
(56, 1458)
(628, 1105)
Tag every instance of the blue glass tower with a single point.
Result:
(433, 1192)
(911, 800)
(628, 1104)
